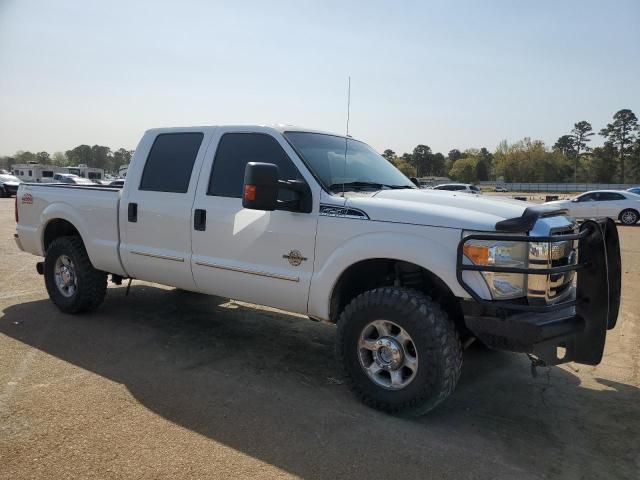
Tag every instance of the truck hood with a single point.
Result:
(439, 208)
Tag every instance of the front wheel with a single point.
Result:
(72, 282)
(399, 350)
(629, 217)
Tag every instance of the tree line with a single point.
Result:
(570, 159)
(97, 156)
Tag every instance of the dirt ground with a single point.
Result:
(167, 384)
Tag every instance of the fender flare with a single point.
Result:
(436, 255)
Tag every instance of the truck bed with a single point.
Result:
(92, 210)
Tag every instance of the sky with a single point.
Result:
(446, 74)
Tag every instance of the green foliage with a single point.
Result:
(405, 167)
(454, 155)
(602, 164)
(389, 155)
(59, 159)
(482, 170)
(25, 157)
(97, 156)
(565, 146)
(622, 134)
(421, 160)
(464, 170)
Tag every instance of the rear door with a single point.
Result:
(256, 256)
(155, 211)
(610, 204)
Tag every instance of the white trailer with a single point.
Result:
(39, 173)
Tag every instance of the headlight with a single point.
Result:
(500, 254)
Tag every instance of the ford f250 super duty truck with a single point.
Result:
(322, 225)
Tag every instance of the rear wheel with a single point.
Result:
(629, 216)
(399, 349)
(72, 282)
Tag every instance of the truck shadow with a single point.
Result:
(266, 383)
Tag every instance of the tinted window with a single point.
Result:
(610, 196)
(235, 151)
(47, 173)
(170, 162)
(587, 197)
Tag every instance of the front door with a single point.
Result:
(585, 206)
(256, 256)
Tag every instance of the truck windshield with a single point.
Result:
(364, 169)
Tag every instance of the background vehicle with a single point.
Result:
(8, 185)
(324, 226)
(72, 179)
(501, 188)
(614, 204)
(635, 190)
(117, 183)
(459, 187)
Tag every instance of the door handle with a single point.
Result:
(132, 212)
(200, 219)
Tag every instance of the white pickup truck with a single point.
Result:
(322, 225)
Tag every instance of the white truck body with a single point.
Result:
(291, 260)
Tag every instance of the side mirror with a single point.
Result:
(260, 190)
(415, 181)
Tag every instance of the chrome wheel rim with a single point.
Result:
(387, 354)
(65, 276)
(629, 217)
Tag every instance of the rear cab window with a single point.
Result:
(170, 162)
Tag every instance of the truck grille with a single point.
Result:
(544, 289)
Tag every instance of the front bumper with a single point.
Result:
(571, 330)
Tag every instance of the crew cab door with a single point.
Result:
(256, 256)
(156, 207)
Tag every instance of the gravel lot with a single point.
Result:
(167, 384)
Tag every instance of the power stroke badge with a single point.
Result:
(295, 258)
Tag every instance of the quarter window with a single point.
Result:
(235, 151)
(170, 162)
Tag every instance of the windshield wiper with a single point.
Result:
(361, 185)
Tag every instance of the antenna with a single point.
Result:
(348, 104)
(346, 138)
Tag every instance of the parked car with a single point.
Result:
(72, 179)
(459, 187)
(8, 184)
(500, 188)
(117, 183)
(279, 217)
(635, 190)
(615, 204)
